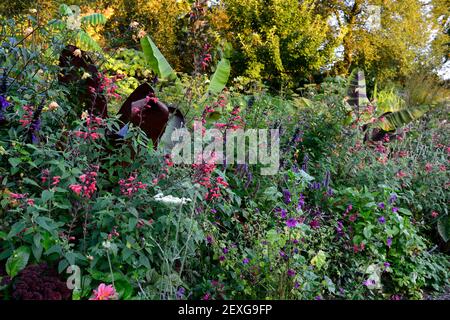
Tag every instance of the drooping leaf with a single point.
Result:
(156, 60)
(443, 227)
(176, 121)
(94, 19)
(220, 77)
(151, 117)
(394, 120)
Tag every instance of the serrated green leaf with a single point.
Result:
(94, 19)
(17, 261)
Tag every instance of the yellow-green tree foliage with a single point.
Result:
(158, 18)
(278, 40)
(392, 52)
(392, 49)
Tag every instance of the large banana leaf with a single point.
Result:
(220, 77)
(400, 118)
(357, 90)
(155, 59)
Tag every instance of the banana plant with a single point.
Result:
(356, 91)
(156, 60)
(161, 67)
(71, 19)
(220, 77)
(391, 110)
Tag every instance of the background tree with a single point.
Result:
(280, 41)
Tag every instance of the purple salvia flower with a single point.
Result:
(301, 202)
(392, 198)
(180, 292)
(291, 223)
(329, 192)
(286, 196)
(389, 242)
(305, 163)
(381, 205)
(369, 282)
(381, 220)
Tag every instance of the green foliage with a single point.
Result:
(155, 59)
(220, 77)
(342, 219)
(71, 21)
(279, 42)
(398, 119)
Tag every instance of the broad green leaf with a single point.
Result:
(16, 228)
(124, 289)
(47, 195)
(220, 77)
(14, 161)
(319, 259)
(32, 182)
(17, 261)
(400, 118)
(155, 59)
(46, 223)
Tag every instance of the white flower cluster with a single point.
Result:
(171, 199)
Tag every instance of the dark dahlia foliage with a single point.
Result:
(40, 282)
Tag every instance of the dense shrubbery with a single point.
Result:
(346, 216)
